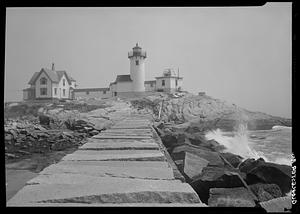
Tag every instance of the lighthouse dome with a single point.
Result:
(137, 47)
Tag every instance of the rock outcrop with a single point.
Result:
(230, 197)
(266, 172)
(204, 112)
(206, 165)
(26, 137)
(278, 205)
(233, 159)
(265, 192)
(215, 177)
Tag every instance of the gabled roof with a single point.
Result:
(54, 76)
(51, 74)
(32, 80)
(60, 75)
(90, 89)
(123, 78)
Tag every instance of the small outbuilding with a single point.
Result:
(169, 82)
(91, 93)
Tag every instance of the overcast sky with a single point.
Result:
(239, 54)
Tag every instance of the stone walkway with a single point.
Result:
(122, 166)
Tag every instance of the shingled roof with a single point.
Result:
(60, 75)
(123, 78)
(54, 76)
(34, 76)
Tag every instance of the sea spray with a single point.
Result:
(238, 144)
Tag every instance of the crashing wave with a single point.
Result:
(239, 144)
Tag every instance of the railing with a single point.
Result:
(137, 53)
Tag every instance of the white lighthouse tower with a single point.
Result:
(137, 68)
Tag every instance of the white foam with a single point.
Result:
(281, 127)
(240, 144)
(282, 160)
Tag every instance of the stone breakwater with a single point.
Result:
(101, 172)
(222, 178)
(121, 166)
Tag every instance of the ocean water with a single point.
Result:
(273, 145)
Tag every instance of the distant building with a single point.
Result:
(135, 82)
(122, 84)
(150, 85)
(50, 84)
(58, 84)
(169, 82)
(91, 93)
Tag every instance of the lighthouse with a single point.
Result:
(137, 68)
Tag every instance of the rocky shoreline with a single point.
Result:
(38, 134)
(203, 112)
(42, 128)
(222, 178)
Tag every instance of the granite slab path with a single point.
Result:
(121, 166)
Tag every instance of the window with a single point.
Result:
(64, 92)
(151, 85)
(43, 81)
(43, 91)
(64, 82)
(87, 93)
(104, 92)
(176, 82)
(55, 91)
(136, 62)
(163, 83)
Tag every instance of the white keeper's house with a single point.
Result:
(50, 84)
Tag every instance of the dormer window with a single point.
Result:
(43, 81)
(136, 62)
(64, 82)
